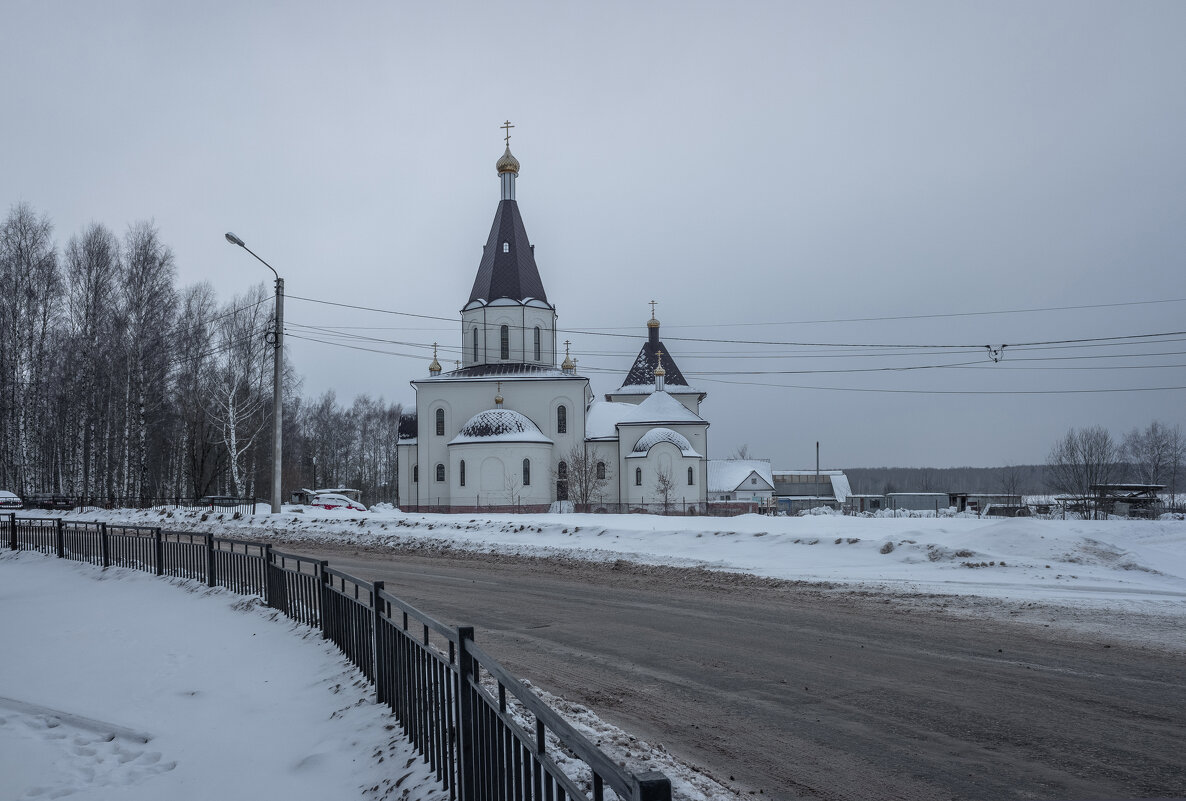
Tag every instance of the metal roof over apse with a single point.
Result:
(511, 274)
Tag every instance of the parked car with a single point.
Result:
(9, 500)
(334, 500)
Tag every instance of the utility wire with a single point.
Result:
(871, 345)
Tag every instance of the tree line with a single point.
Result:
(118, 385)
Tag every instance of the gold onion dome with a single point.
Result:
(508, 163)
(659, 370)
(652, 323)
(568, 363)
(435, 367)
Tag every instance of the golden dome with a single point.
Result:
(508, 163)
(652, 323)
(660, 371)
(568, 363)
(435, 367)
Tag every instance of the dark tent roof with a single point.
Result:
(511, 274)
(643, 371)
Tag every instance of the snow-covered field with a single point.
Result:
(116, 685)
(1134, 564)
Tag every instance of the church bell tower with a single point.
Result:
(508, 319)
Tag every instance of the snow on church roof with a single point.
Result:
(601, 421)
(661, 408)
(657, 435)
(499, 425)
(726, 475)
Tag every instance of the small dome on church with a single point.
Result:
(508, 163)
(500, 424)
(657, 435)
(652, 323)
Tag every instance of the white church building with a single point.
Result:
(509, 427)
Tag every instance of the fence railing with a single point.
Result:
(484, 734)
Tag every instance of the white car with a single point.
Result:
(9, 501)
(333, 500)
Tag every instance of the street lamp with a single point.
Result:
(278, 363)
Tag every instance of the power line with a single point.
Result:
(871, 345)
(924, 316)
(951, 391)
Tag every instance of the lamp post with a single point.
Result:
(278, 367)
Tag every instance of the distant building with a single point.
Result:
(917, 501)
(979, 501)
(796, 490)
(861, 504)
(740, 480)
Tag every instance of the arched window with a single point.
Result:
(526, 472)
(601, 470)
(638, 476)
(440, 472)
(475, 344)
(691, 480)
(440, 422)
(461, 473)
(506, 247)
(562, 421)
(562, 481)
(537, 343)
(505, 347)
(415, 474)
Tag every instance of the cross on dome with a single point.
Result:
(507, 127)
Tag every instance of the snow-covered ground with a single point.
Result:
(1139, 565)
(116, 685)
(1067, 568)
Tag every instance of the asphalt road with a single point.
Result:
(797, 691)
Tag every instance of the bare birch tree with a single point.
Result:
(235, 395)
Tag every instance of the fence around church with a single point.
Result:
(484, 733)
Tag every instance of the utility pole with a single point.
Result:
(277, 376)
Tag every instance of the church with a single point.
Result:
(510, 428)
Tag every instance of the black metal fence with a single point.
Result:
(484, 733)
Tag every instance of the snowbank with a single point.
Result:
(1107, 563)
(114, 684)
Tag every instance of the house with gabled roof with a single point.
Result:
(740, 480)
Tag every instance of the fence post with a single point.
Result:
(159, 544)
(653, 786)
(59, 538)
(376, 619)
(465, 717)
(104, 545)
(269, 594)
(211, 580)
(12, 530)
(323, 599)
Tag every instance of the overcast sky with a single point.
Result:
(756, 168)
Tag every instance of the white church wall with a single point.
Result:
(663, 457)
(521, 321)
(607, 454)
(535, 398)
(406, 457)
(494, 473)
